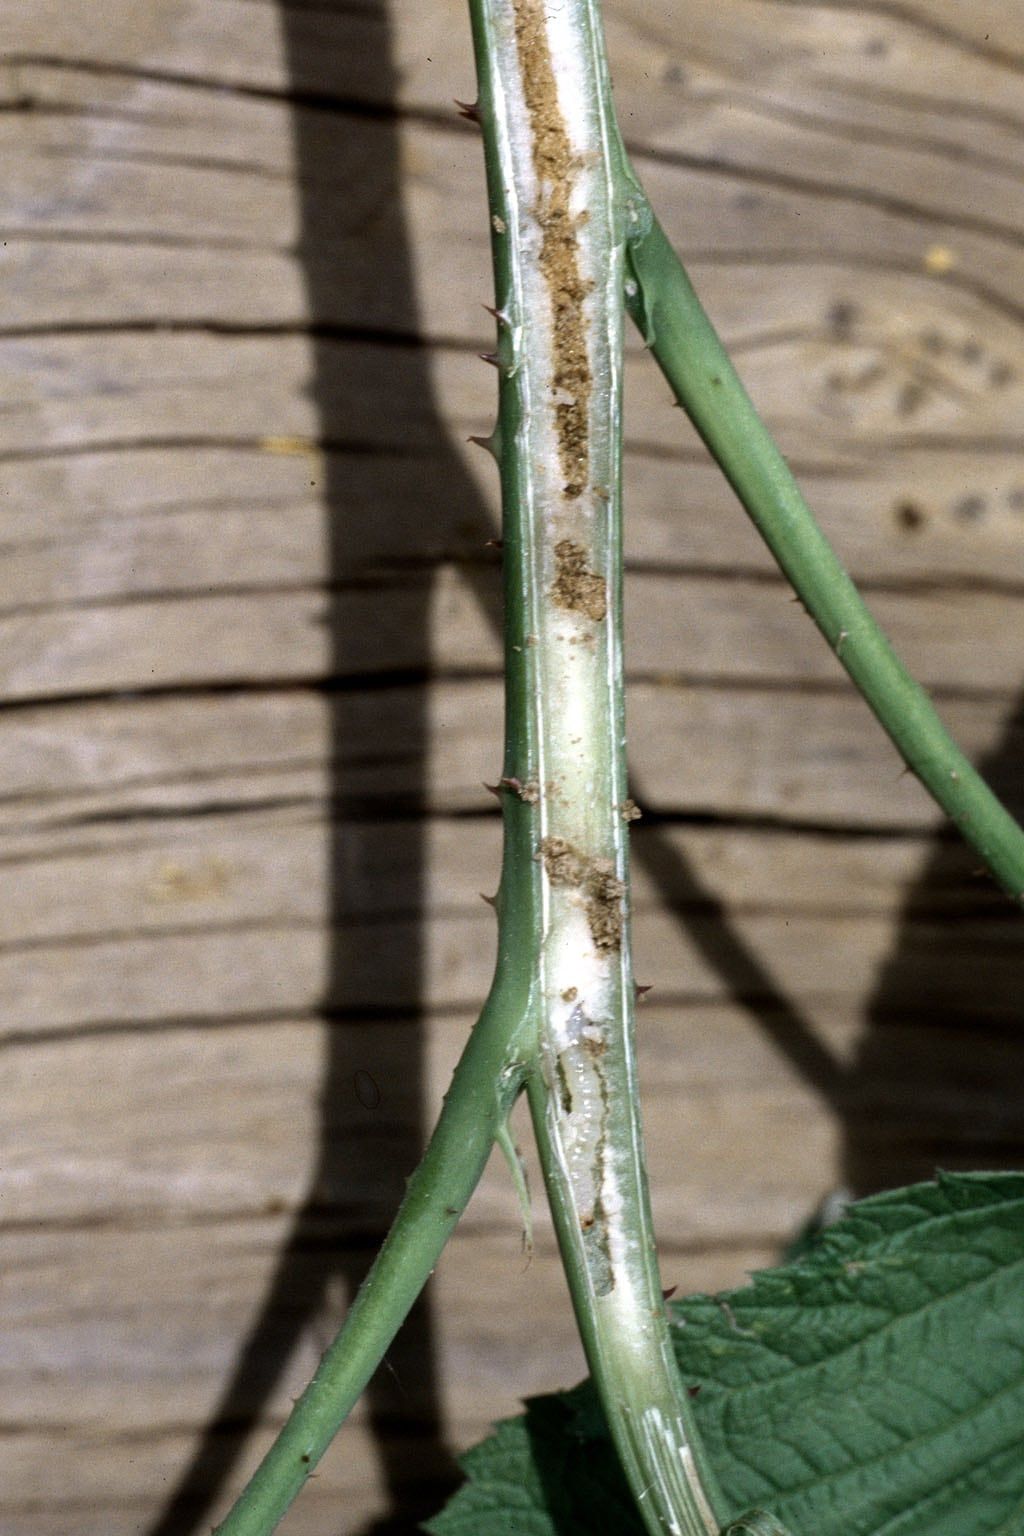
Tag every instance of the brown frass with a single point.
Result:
(576, 586)
(597, 882)
(556, 168)
(604, 893)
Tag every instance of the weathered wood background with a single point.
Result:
(250, 691)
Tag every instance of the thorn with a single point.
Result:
(693, 1391)
(641, 992)
(492, 901)
(494, 544)
(490, 357)
(468, 109)
(667, 1295)
(493, 789)
(497, 315)
(489, 444)
(528, 793)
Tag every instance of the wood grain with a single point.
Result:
(250, 689)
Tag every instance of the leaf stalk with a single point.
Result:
(485, 1084)
(684, 344)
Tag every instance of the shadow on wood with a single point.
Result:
(349, 185)
(936, 1079)
(380, 535)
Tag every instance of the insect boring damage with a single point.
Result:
(604, 893)
(563, 864)
(528, 793)
(563, 347)
(597, 883)
(556, 168)
(575, 586)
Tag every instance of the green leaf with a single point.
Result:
(875, 1387)
(544, 1474)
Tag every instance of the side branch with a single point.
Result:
(486, 1082)
(683, 341)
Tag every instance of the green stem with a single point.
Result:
(483, 1089)
(691, 356)
(559, 250)
(572, 232)
(488, 1079)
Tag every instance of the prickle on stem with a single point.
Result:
(489, 444)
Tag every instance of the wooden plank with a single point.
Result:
(111, 1486)
(254, 510)
(103, 258)
(261, 1086)
(478, 1283)
(256, 866)
(765, 755)
(218, 504)
(176, 1366)
(901, 70)
(204, 970)
(779, 755)
(914, 514)
(175, 1358)
(868, 73)
(722, 629)
(259, 1140)
(66, 394)
(210, 200)
(912, 518)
